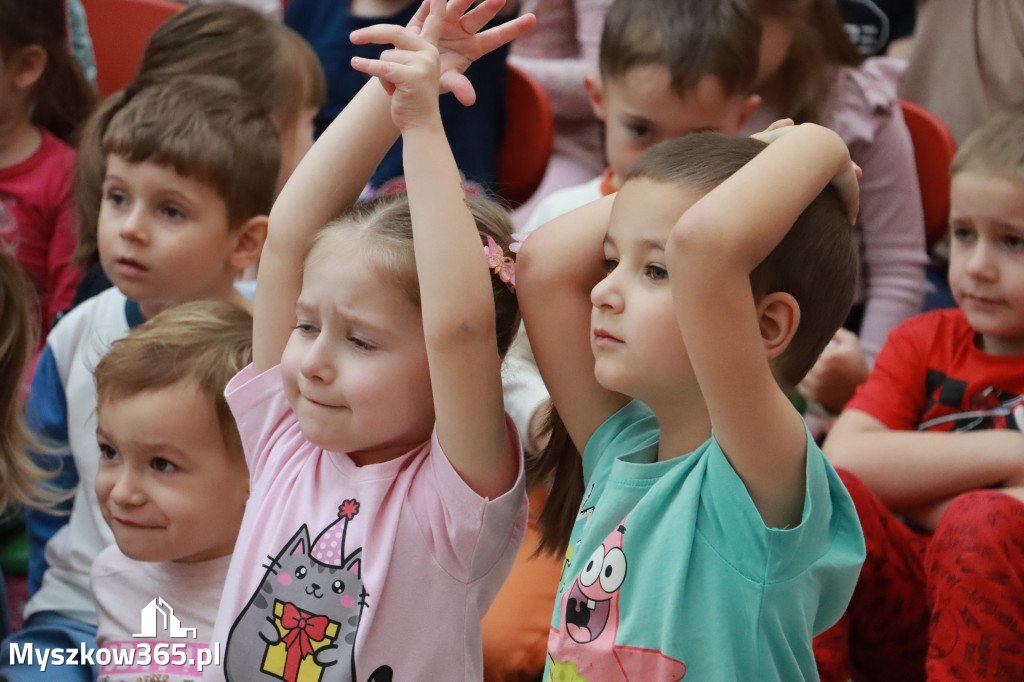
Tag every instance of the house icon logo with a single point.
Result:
(158, 611)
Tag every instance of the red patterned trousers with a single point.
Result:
(946, 606)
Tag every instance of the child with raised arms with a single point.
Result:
(172, 484)
(191, 167)
(713, 539)
(387, 499)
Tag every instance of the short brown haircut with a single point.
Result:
(385, 223)
(205, 128)
(996, 147)
(206, 341)
(816, 262)
(692, 38)
(271, 62)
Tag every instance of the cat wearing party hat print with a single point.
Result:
(305, 614)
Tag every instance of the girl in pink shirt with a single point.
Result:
(387, 499)
(43, 98)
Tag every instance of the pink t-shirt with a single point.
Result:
(388, 565)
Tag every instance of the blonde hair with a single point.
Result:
(385, 225)
(206, 341)
(20, 477)
(271, 62)
(996, 147)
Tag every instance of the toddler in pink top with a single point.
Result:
(387, 499)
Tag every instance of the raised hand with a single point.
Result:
(410, 72)
(458, 41)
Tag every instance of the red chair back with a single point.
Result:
(934, 148)
(529, 135)
(120, 30)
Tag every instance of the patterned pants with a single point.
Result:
(947, 606)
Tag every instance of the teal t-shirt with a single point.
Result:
(671, 572)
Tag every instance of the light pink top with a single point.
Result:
(864, 110)
(429, 552)
(177, 600)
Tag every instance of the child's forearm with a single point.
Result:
(328, 180)
(738, 223)
(455, 287)
(908, 469)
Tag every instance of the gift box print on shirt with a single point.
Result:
(301, 623)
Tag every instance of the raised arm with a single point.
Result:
(711, 253)
(331, 176)
(455, 283)
(557, 268)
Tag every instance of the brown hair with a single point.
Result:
(20, 477)
(692, 38)
(271, 62)
(820, 44)
(816, 262)
(62, 98)
(206, 341)
(385, 223)
(206, 128)
(996, 147)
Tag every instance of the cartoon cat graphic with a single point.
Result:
(304, 616)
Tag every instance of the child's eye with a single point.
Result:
(639, 132)
(962, 234)
(656, 272)
(116, 198)
(360, 343)
(161, 465)
(1014, 242)
(609, 264)
(108, 453)
(306, 328)
(173, 212)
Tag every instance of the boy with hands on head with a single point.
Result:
(713, 538)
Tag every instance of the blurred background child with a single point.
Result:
(192, 163)
(560, 51)
(172, 480)
(810, 71)
(20, 477)
(475, 132)
(44, 98)
(271, 63)
(933, 452)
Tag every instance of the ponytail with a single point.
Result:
(560, 466)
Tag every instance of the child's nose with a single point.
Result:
(127, 491)
(607, 293)
(133, 227)
(319, 363)
(980, 262)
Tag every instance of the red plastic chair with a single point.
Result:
(934, 148)
(120, 30)
(529, 135)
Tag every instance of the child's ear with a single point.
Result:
(29, 65)
(751, 105)
(592, 82)
(778, 316)
(249, 240)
